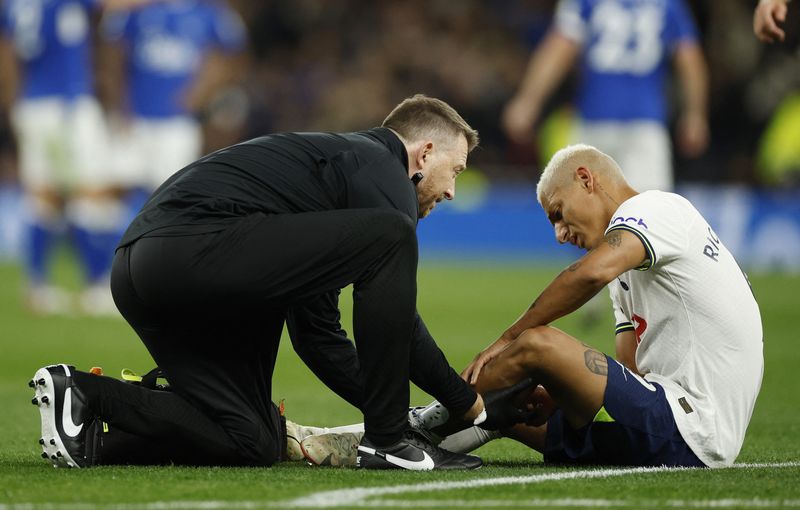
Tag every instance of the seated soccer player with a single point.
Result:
(689, 345)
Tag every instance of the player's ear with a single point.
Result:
(585, 178)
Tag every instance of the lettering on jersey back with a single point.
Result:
(622, 219)
(711, 250)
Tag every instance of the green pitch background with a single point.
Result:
(465, 307)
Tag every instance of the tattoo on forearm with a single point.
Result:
(574, 266)
(596, 362)
(614, 238)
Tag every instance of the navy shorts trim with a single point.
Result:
(637, 428)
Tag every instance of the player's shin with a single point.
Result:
(501, 410)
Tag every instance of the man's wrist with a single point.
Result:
(476, 409)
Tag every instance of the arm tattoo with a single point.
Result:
(614, 238)
(574, 267)
(596, 362)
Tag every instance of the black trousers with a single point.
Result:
(210, 309)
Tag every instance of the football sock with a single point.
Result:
(135, 200)
(469, 439)
(41, 237)
(42, 232)
(95, 225)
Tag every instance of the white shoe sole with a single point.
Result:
(50, 440)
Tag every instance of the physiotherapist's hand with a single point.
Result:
(473, 370)
(502, 410)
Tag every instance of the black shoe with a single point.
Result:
(415, 452)
(66, 420)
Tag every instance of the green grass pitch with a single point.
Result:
(465, 307)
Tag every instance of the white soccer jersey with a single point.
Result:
(697, 324)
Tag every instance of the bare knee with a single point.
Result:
(528, 356)
(536, 346)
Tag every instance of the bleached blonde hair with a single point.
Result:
(561, 168)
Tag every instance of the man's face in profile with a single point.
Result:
(442, 165)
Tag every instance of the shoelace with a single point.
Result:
(422, 440)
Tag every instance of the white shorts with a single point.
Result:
(62, 144)
(642, 149)
(146, 152)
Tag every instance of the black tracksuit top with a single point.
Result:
(279, 174)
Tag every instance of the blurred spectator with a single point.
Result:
(779, 150)
(311, 72)
(167, 61)
(624, 48)
(317, 64)
(48, 75)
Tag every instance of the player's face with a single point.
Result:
(442, 165)
(576, 216)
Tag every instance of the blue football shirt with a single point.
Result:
(51, 39)
(626, 45)
(167, 43)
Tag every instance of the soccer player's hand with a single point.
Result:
(540, 407)
(473, 370)
(765, 20)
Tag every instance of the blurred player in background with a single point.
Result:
(624, 48)
(768, 16)
(166, 59)
(62, 145)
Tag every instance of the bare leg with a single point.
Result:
(528, 435)
(574, 374)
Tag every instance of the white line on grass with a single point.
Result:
(580, 503)
(367, 496)
(354, 496)
(424, 503)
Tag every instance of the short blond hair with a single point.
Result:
(562, 166)
(420, 116)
